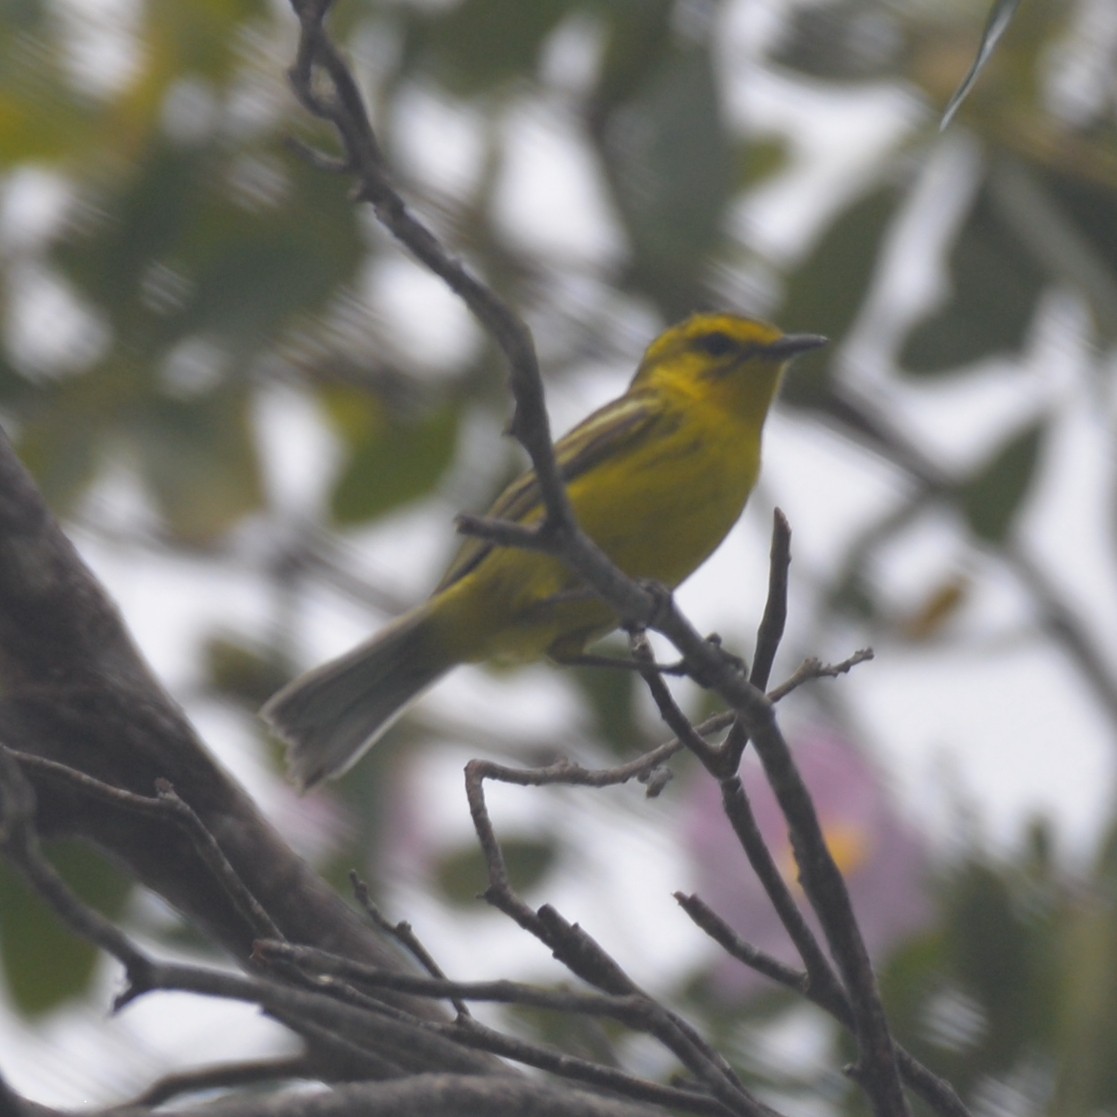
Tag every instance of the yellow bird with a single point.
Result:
(657, 478)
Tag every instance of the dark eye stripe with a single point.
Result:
(716, 344)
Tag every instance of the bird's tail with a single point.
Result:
(330, 716)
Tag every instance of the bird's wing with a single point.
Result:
(617, 427)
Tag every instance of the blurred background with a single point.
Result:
(257, 418)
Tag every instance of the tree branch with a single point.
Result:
(97, 733)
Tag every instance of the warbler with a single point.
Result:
(656, 478)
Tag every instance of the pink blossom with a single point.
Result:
(882, 858)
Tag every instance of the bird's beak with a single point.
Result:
(791, 345)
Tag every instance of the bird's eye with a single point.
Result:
(716, 344)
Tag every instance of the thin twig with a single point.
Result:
(165, 805)
(626, 1008)
(770, 632)
(668, 708)
(20, 844)
(877, 1069)
(592, 1074)
(709, 921)
(935, 1091)
(583, 956)
(739, 812)
(254, 913)
(811, 669)
(404, 934)
(221, 1076)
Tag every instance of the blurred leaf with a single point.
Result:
(26, 17)
(41, 119)
(132, 222)
(1089, 239)
(993, 495)
(1088, 1006)
(996, 285)
(462, 874)
(249, 244)
(201, 37)
(528, 861)
(194, 253)
(44, 963)
(907, 975)
(1003, 952)
(198, 457)
(611, 696)
(828, 288)
(1000, 16)
(1088, 1082)
(938, 606)
(482, 44)
(671, 165)
(396, 462)
(765, 157)
(247, 292)
(47, 113)
(637, 39)
(258, 262)
(1092, 207)
(61, 454)
(842, 41)
(242, 669)
(1039, 847)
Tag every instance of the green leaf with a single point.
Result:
(761, 159)
(996, 286)
(611, 696)
(1004, 953)
(827, 290)
(842, 41)
(462, 875)
(43, 119)
(138, 217)
(992, 497)
(1088, 246)
(397, 461)
(482, 44)
(637, 39)
(201, 37)
(44, 963)
(242, 669)
(256, 266)
(198, 458)
(672, 167)
(61, 454)
(250, 240)
(528, 861)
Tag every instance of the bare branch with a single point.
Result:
(20, 845)
(221, 1076)
(94, 733)
(434, 1095)
(404, 934)
(338, 976)
(935, 1091)
(728, 939)
(583, 956)
(811, 669)
(379, 1040)
(770, 632)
